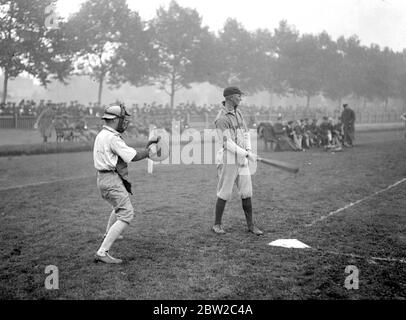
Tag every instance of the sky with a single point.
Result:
(381, 22)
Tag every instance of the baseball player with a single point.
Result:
(111, 156)
(232, 159)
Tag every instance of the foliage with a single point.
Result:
(109, 42)
(27, 45)
(173, 50)
(178, 37)
(236, 54)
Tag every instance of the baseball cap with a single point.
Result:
(113, 111)
(231, 90)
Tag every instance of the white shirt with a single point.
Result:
(108, 145)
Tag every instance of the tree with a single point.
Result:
(178, 36)
(337, 70)
(306, 76)
(27, 45)
(268, 65)
(236, 54)
(98, 32)
(401, 77)
(381, 73)
(135, 57)
(285, 40)
(356, 59)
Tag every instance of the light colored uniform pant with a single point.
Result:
(113, 191)
(230, 174)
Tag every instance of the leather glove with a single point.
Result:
(153, 140)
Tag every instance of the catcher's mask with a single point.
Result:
(116, 111)
(120, 127)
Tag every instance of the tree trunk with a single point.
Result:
(99, 96)
(173, 91)
(308, 101)
(270, 99)
(340, 101)
(172, 99)
(4, 97)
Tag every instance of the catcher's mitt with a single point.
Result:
(158, 151)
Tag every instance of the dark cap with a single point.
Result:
(231, 90)
(345, 105)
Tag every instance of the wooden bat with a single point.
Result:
(280, 165)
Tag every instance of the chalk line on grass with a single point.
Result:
(354, 203)
(352, 255)
(35, 184)
(337, 253)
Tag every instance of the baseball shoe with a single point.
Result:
(218, 228)
(106, 259)
(255, 231)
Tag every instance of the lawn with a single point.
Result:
(51, 214)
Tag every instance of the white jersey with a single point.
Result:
(108, 146)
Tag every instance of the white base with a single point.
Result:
(288, 243)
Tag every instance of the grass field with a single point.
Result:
(51, 214)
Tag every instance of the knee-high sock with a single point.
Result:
(112, 219)
(116, 229)
(220, 205)
(247, 206)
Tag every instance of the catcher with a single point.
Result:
(111, 156)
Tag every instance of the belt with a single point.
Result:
(106, 171)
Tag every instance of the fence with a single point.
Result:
(206, 120)
(11, 122)
(27, 122)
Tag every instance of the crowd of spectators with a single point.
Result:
(303, 134)
(141, 111)
(31, 108)
(144, 114)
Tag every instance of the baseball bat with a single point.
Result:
(280, 165)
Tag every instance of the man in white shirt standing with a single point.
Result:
(111, 156)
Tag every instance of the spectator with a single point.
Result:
(348, 119)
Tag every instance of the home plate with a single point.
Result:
(288, 243)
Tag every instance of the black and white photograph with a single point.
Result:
(214, 153)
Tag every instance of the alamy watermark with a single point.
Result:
(51, 17)
(52, 281)
(352, 281)
(208, 147)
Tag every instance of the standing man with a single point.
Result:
(45, 122)
(111, 156)
(232, 159)
(348, 120)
